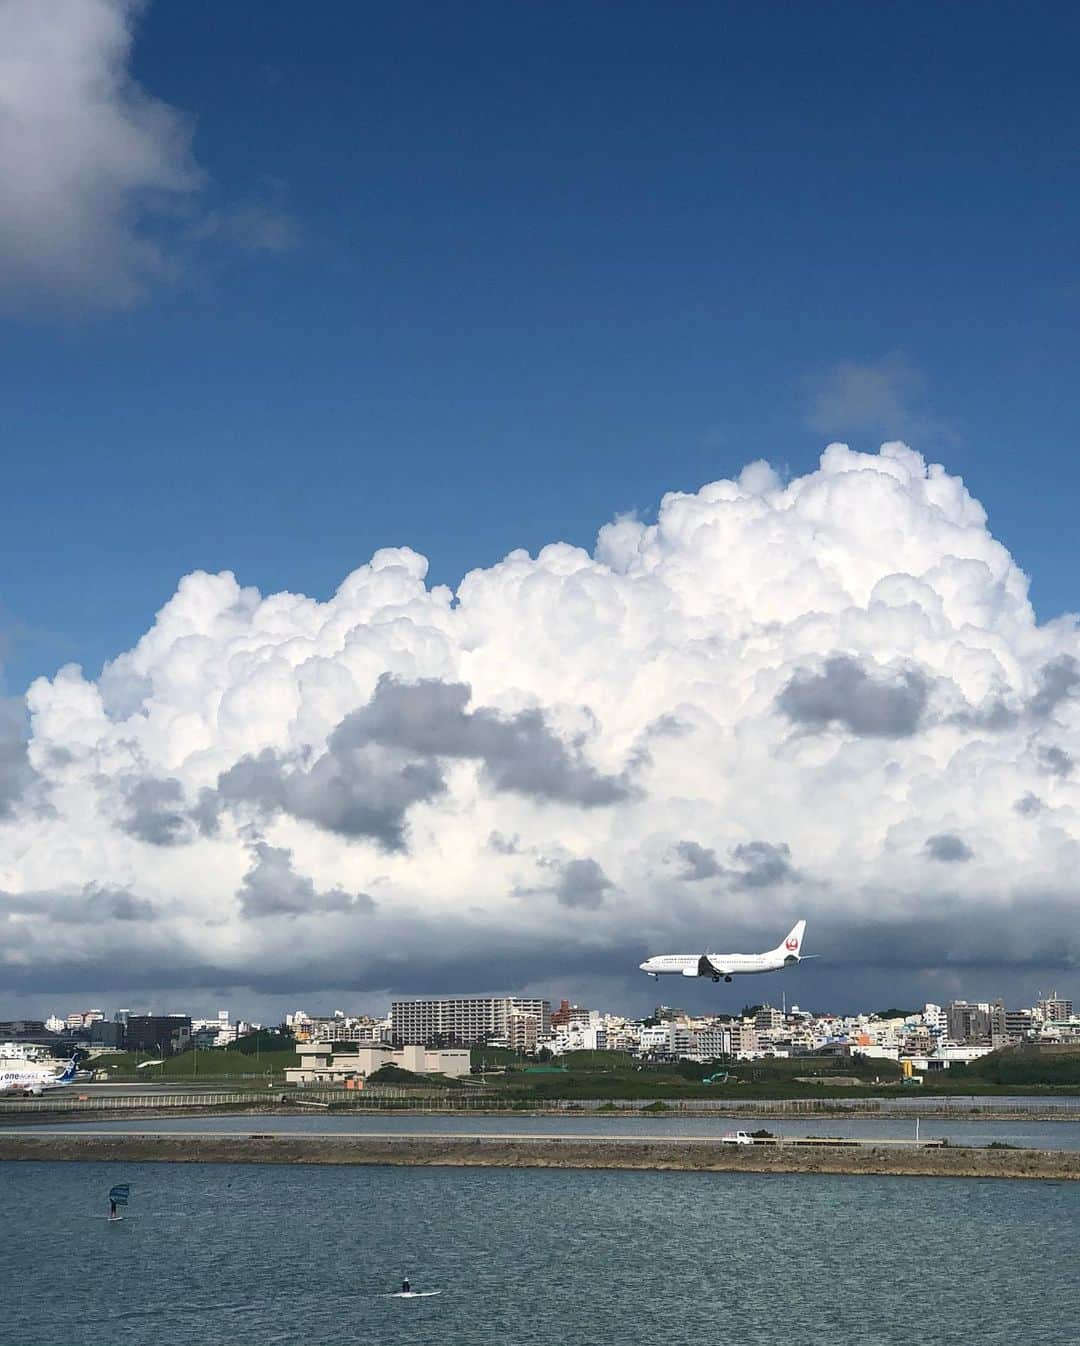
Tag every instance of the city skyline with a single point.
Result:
(372, 1010)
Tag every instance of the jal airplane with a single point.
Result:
(728, 965)
(30, 1078)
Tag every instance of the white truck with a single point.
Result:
(736, 1138)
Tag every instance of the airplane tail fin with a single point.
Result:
(792, 945)
(69, 1070)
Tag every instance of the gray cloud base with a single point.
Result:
(845, 694)
(390, 754)
(272, 887)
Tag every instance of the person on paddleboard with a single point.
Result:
(405, 1286)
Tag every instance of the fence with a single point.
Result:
(253, 1099)
(129, 1102)
(757, 1107)
(391, 1099)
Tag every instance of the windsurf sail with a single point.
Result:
(120, 1193)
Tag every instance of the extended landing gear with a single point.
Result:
(727, 978)
(716, 977)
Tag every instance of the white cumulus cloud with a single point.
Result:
(827, 698)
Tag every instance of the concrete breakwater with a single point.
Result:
(691, 1155)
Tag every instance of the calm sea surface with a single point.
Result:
(1064, 1135)
(218, 1255)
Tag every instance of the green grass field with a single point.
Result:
(219, 1064)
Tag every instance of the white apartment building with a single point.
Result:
(219, 1030)
(623, 1035)
(579, 1035)
(668, 1039)
(465, 1019)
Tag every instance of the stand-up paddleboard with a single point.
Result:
(414, 1294)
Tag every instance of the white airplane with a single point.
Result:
(31, 1078)
(728, 965)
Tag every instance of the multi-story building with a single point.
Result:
(218, 1032)
(713, 1041)
(468, 1020)
(622, 1035)
(566, 1012)
(1053, 1009)
(1019, 1024)
(744, 1038)
(163, 1034)
(670, 1040)
(768, 1019)
(967, 1023)
(998, 1033)
(26, 1028)
(106, 1035)
(523, 1031)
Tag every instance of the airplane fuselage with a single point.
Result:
(31, 1079)
(714, 965)
(724, 966)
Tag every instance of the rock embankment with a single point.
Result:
(542, 1152)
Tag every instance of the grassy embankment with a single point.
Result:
(218, 1066)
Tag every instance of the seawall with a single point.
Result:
(704, 1155)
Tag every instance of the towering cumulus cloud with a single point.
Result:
(827, 698)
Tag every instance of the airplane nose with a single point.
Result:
(644, 967)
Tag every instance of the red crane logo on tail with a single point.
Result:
(791, 942)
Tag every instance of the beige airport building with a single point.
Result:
(320, 1063)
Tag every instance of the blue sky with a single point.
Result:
(283, 285)
(538, 265)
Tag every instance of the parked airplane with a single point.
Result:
(29, 1077)
(728, 965)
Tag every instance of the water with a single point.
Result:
(1064, 1135)
(303, 1255)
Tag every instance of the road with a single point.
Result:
(524, 1137)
